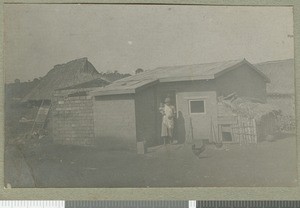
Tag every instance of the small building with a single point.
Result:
(126, 111)
(72, 114)
(281, 89)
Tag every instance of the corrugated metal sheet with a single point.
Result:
(204, 71)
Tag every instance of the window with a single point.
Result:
(197, 106)
(226, 137)
(226, 133)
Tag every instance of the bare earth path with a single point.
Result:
(263, 164)
(17, 171)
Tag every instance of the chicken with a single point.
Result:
(198, 150)
(218, 144)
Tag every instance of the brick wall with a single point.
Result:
(72, 117)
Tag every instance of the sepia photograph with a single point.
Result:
(149, 96)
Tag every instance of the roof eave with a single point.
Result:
(104, 91)
(280, 93)
(112, 92)
(186, 78)
(138, 89)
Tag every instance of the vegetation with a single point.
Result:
(113, 76)
(139, 70)
(17, 89)
(286, 123)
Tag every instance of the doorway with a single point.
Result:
(162, 95)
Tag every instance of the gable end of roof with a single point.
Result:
(267, 79)
(244, 61)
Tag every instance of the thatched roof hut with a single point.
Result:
(61, 76)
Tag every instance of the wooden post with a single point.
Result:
(191, 130)
(254, 130)
(239, 129)
(244, 133)
(248, 131)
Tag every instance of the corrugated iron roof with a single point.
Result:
(281, 74)
(204, 71)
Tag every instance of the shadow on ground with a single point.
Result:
(49, 165)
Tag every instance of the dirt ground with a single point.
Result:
(48, 165)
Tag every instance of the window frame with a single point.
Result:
(197, 99)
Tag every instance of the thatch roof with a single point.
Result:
(61, 76)
(99, 82)
(281, 74)
(246, 107)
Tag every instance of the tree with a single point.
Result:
(35, 80)
(139, 70)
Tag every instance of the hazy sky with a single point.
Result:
(124, 38)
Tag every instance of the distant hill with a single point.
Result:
(62, 75)
(72, 73)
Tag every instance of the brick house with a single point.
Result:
(126, 111)
(72, 114)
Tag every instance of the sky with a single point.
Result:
(127, 37)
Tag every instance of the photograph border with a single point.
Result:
(199, 193)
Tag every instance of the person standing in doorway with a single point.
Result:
(168, 113)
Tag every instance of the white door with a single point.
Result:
(199, 111)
